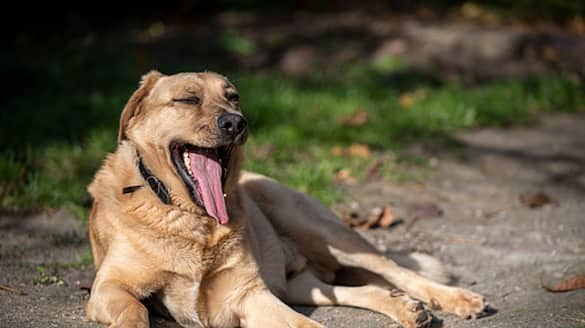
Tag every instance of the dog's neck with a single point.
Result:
(156, 184)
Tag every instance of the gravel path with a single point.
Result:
(495, 244)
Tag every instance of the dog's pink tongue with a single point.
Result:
(207, 171)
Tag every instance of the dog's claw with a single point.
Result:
(418, 306)
(419, 317)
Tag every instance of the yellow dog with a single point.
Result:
(176, 223)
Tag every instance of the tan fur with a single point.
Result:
(279, 245)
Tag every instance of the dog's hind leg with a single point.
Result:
(351, 250)
(307, 289)
(262, 309)
(323, 239)
(454, 300)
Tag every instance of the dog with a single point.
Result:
(177, 224)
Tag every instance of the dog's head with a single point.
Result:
(192, 125)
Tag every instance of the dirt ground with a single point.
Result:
(493, 243)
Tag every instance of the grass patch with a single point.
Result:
(46, 278)
(49, 153)
(302, 120)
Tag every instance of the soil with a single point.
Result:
(492, 242)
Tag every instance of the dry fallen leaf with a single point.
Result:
(406, 100)
(354, 150)
(353, 216)
(359, 150)
(344, 176)
(337, 151)
(387, 217)
(378, 217)
(371, 220)
(358, 118)
(535, 200)
(350, 217)
(409, 99)
(575, 282)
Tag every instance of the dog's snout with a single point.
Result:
(231, 123)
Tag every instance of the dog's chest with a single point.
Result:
(181, 299)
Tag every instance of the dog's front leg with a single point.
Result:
(263, 309)
(112, 304)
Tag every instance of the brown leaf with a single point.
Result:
(337, 151)
(371, 220)
(575, 282)
(409, 99)
(359, 150)
(535, 200)
(358, 118)
(379, 217)
(426, 210)
(344, 176)
(406, 100)
(382, 217)
(387, 217)
(354, 150)
(354, 220)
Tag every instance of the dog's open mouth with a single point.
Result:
(204, 171)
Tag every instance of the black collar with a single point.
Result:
(155, 184)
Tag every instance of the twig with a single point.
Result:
(12, 290)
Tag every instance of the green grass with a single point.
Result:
(301, 119)
(46, 278)
(54, 136)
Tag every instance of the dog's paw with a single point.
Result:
(410, 313)
(463, 303)
(420, 316)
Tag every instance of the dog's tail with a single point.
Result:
(425, 265)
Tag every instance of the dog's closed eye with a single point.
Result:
(191, 100)
(233, 97)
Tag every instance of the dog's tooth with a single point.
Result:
(186, 159)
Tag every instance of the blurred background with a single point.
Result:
(332, 89)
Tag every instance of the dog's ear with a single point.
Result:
(133, 105)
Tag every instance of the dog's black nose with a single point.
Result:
(231, 123)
